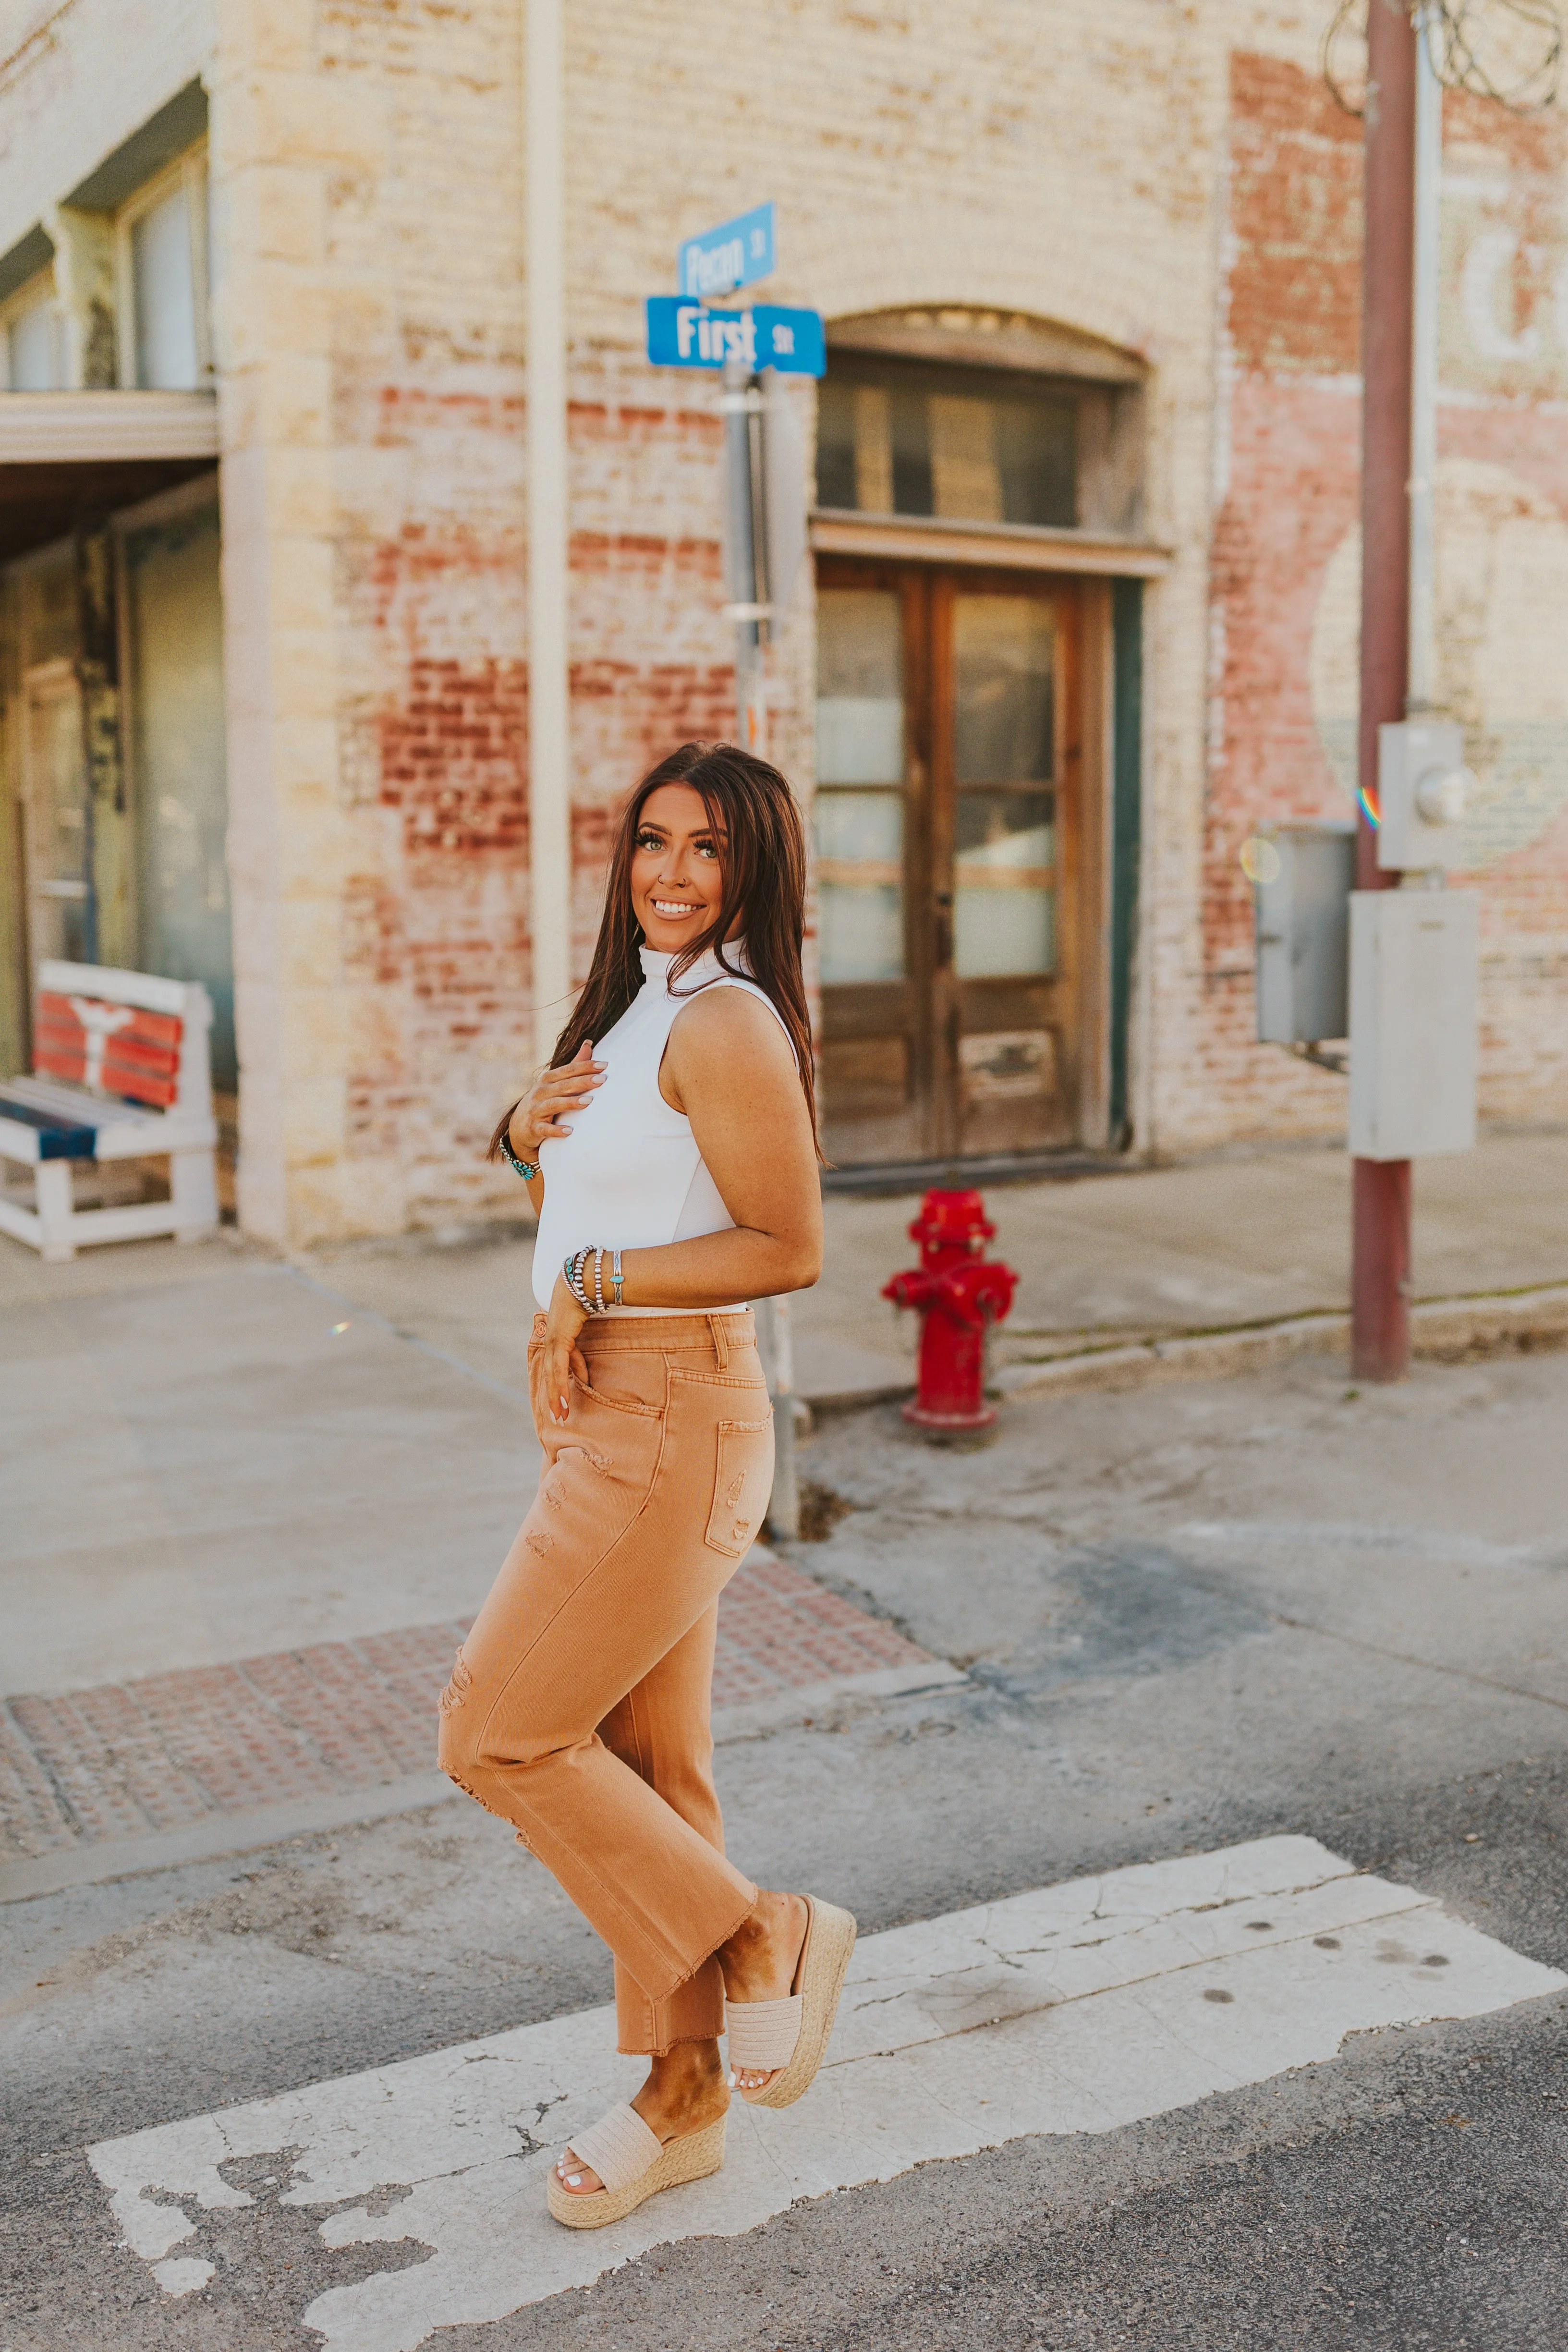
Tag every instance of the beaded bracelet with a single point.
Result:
(576, 1273)
(572, 1270)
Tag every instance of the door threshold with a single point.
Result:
(888, 1177)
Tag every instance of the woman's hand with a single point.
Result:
(540, 1113)
(562, 1356)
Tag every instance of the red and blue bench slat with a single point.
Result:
(141, 1058)
(59, 1139)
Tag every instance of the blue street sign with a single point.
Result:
(735, 254)
(686, 334)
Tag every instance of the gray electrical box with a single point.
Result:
(1302, 878)
(1415, 961)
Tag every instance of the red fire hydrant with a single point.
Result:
(958, 1296)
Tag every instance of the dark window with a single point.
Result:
(973, 444)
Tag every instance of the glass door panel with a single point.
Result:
(859, 747)
(860, 885)
(1004, 703)
(1006, 1083)
(865, 853)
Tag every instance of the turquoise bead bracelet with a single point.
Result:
(526, 1169)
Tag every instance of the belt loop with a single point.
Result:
(720, 1341)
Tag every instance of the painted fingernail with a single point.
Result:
(574, 2180)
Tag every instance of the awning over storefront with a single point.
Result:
(67, 455)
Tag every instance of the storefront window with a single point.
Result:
(32, 349)
(165, 344)
(164, 295)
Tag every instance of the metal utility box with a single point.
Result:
(1423, 789)
(1305, 874)
(1413, 997)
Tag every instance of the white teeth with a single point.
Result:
(673, 907)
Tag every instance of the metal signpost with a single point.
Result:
(764, 498)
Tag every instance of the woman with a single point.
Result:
(670, 1150)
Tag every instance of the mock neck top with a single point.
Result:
(630, 1175)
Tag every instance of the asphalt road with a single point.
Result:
(1191, 1616)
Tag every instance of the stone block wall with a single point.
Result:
(367, 186)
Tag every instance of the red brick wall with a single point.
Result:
(436, 928)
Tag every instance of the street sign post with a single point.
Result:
(682, 333)
(735, 254)
(764, 506)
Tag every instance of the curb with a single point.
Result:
(1442, 1331)
(214, 1839)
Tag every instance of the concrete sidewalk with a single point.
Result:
(1231, 1247)
(247, 1523)
(1143, 1258)
(1226, 1247)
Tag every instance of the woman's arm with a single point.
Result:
(542, 1112)
(729, 1069)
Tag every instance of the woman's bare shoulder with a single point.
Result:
(720, 1022)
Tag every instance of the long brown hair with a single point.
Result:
(762, 868)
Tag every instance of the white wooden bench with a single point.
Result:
(121, 1070)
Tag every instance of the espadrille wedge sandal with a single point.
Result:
(634, 2164)
(792, 2034)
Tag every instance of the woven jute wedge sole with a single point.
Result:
(691, 2158)
(819, 1979)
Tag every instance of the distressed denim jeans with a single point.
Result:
(578, 1707)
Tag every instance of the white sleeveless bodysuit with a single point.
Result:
(630, 1176)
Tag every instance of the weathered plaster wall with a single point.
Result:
(1171, 178)
(1287, 555)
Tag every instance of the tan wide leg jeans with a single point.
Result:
(578, 1706)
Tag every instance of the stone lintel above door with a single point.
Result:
(1017, 547)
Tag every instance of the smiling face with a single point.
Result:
(677, 882)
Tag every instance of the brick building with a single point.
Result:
(1081, 611)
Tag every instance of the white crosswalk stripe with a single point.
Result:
(1079, 2008)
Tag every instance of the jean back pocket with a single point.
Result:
(742, 1479)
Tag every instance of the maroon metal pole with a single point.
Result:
(1380, 1252)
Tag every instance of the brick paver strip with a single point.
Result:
(128, 1758)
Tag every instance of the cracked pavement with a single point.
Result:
(1190, 1617)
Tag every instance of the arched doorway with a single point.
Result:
(979, 486)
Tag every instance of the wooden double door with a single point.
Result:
(948, 822)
